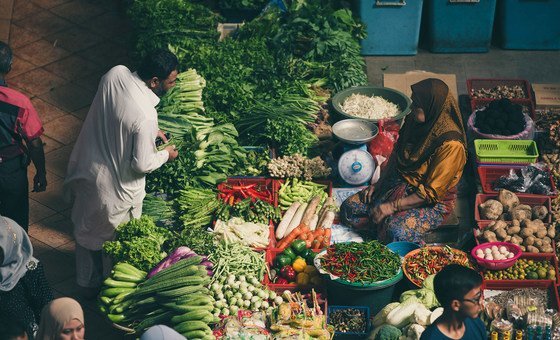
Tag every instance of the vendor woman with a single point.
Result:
(417, 189)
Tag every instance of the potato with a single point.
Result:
(515, 223)
(491, 210)
(526, 232)
(516, 240)
(532, 249)
(489, 236)
(523, 248)
(508, 199)
(501, 233)
(507, 239)
(546, 240)
(539, 212)
(520, 214)
(513, 230)
(529, 241)
(551, 232)
(541, 232)
(546, 248)
(538, 242)
(495, 225)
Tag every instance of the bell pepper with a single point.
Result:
(289, 252)
(282, 260)
(302, 279)
(310, 256)
(288, 273)
(298, 246)
(311, 270)
(299, 265)
(281, 281)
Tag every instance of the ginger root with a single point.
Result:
(529, 241)
(541, 232)
(489, 236)
(532, 249)
(551, 232)
(491, 210)
(508, 199)
(516, 240)
(513, 230)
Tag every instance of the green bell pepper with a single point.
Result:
(298, 246)
(310, 256)
(282, 260)
(290, 253)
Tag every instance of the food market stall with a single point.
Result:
(237, 235)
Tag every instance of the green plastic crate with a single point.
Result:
(506, 151)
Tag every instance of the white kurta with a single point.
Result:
(114, 151)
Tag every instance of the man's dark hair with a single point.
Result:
(5, 58)
(10, 328)
(454, 282)
(159, 64)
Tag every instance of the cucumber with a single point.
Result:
(118, 284)
(187, 326)
(113, 292)
(190, 316)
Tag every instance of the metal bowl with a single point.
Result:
(355, 131)
(398, 98)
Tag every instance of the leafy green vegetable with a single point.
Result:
(242, 4)
(138, 242)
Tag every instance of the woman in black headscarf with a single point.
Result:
(417, 189)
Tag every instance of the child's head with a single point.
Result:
(457, 289)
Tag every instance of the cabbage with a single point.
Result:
(424, 296)
(381, 317)
(429, 282)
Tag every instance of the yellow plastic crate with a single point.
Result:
(506, 151)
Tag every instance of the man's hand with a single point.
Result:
(173, 153)
(161, 135)
(367, 194)
(39, 182)
(380, 212)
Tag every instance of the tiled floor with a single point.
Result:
(62, 47)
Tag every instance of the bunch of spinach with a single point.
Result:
(162, 22)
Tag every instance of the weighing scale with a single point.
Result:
(356, 166)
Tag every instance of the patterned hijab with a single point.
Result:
(16, 251)
(56, 314)
(418, 141)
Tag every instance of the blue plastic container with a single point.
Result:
(393, 26)
(528, 24)
(459, 26)
(402, 247)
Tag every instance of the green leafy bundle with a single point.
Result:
(138, 242)
(162, 22)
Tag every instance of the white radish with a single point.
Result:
(328, 220)
(288, 216)
(313, 223)
(310, 211)
(296, 220)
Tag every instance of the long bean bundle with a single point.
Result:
(361, 262)
(237, 259)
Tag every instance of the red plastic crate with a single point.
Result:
(489, 174)
(531, 256)
(475, 84)
(554, 299)
(486, 224)
(531, 200)
(262, 184)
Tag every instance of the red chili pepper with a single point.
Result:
(243, 187)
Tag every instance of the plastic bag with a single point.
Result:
(532, 179)
(384, 142)
(527, 133)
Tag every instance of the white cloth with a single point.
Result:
(114, 151)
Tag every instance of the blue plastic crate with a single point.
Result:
(393, 26)
(361, 308)
(528, 24)
(458, 26)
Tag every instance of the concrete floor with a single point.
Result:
(62, 47)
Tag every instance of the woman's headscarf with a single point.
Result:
(57, 313)
(418, 141)
(17, 251)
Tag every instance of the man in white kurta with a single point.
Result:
(106, 172)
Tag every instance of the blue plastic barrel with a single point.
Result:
(528, 24)
(459, 26)
(393, 26)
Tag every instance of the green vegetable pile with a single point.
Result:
(138, 242)
(255, 163)
(295, 190)
(236, 259)
(157, 208)
(256, 211)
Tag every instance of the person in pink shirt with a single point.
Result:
(20, 142)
